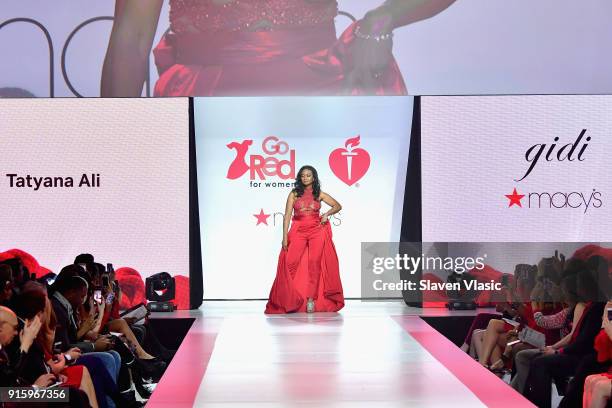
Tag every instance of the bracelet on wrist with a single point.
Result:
(378, 38)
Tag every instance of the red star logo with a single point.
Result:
(515, 198)
(262, 218)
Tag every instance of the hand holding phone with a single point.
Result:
(97, 296)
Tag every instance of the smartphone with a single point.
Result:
(98, 296)
(109, 268)
(610, 313)
(110, 297)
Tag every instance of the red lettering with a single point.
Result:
(256, 165)
(289, 165)
(271, 166)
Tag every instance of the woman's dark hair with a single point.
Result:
(6, 275)
(568, 286)
(587, 287)
(20, 272)
(599, 268)
(31, 301)
(316, 185)
(573, 266)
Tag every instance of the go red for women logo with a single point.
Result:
(350, 164)
(277, 160)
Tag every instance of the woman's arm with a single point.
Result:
(100, 317)
(287, 218)
(86, 325)
(396, 13)
(335, 206)
(554, 321)
(127, 56)
(578, 310)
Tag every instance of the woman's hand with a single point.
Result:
(74, 353)
(101, 307)
(372, 52)
(285, 243)
(324, 219)
(29, 333)
(90, 322)
(45, 380)
(548, 350)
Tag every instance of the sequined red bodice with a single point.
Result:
(193, 16)
(306, 205)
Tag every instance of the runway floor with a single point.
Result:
(370, 354)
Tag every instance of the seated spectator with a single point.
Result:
(20, 273)
(507, 308)
(42, 358)
(70, 292)
(564, 321)
(111, 321)
(597, 366)
(9, 369)
(498, 331)
(562, 362)
(597, 390)
(6, 284)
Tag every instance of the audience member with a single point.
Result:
(562, 362)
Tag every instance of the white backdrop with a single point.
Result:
(473, 150)
(137, 217)
(473, 47)
(239, 255)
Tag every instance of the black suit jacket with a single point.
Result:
(66, 332)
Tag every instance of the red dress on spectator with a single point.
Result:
(309, 266)
(74, 374)
(256, 47)
(603, 346)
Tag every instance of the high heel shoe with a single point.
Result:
(153, 368)
(144, 386)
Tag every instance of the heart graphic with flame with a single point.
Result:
(350, 163)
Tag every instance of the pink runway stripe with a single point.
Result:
(179, 386)
(487, 387)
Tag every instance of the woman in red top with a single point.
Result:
(258, 47)
(307, 276)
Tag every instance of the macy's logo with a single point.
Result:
(260, 166)
(350, 164)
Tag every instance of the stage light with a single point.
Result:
(160, 291)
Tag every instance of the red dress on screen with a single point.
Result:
(309, 266)
(259, 47)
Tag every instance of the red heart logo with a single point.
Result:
(349, 165)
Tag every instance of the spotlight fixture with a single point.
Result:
(160, 291)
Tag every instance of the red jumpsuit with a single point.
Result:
(309, 266)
